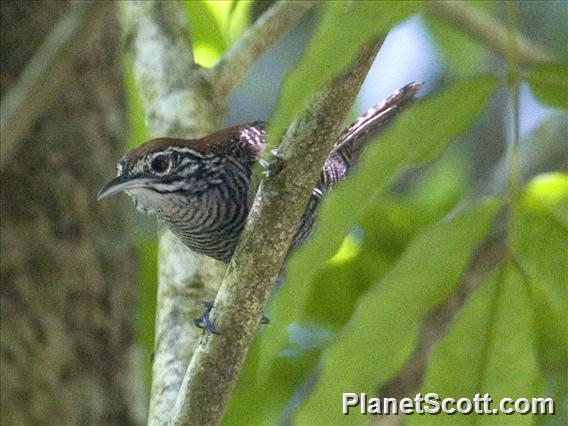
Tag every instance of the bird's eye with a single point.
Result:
(159, 164)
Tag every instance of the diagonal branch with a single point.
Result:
(267, 29)
(488, 31)
(180, 99)
(278, 207)
(45, 73)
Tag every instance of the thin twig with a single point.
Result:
(44, 74)
(267, 29)
(277, 209)
(488, 31)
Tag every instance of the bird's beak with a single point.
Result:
(121, 184)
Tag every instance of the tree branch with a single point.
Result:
(178, 101)
(43, 75)
(277, 209)
(267, 29)
(488, 31)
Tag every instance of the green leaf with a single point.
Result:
(440, 188)
(238, 18)
(417, 136)
(378, 239)
(344, 28)
(490, 348)
(549, 84)
(207, 37)
(384, 329)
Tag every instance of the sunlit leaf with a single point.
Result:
(206, 32)
(549, 84)
(490, 348)
(231, 16)
(548, 193)
(238, 17)
(383, 331)
(540, 247)
(344, 28)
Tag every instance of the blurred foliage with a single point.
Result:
(409, 142)
(148, 271)
(384, 327)
(549, 84)
(393, 242)
(330, 50)
(490, 347)
(461, 55)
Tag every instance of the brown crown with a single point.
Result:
(208, 144)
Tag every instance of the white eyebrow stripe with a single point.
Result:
(186, 151)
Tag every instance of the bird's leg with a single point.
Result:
(274, 166)
(204, 321)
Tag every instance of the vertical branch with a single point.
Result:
(178, 101)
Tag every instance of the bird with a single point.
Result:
(202, 189)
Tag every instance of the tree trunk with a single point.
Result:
(67, 268)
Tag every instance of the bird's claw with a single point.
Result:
(204, 321)
(274, 166)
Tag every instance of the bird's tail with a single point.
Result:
(355, 137)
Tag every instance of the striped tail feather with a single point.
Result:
(355, 137)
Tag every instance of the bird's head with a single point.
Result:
(166, 170)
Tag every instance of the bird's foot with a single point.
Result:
(204, 321)
(274, 166)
